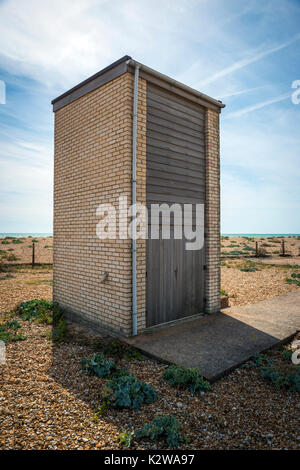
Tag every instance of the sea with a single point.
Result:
(260, 235)
(49, 234)
(25, 234)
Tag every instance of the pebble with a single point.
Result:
(56, 405)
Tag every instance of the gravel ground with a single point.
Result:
(26, 284)
(23, 250)
(46, 402)
(249, 287)
(272, 245)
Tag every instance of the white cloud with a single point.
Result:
(57, 43)
(231, 93)
(60, 42)
(248, 60)
(255, 107)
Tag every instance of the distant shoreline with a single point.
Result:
(25, 234)
(48, 234)
(260, 234)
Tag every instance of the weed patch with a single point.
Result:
(164, 427)
(98, 365)
(43, 311)
(7, 276)
(182, 377)
(282, 376)
(12, 257)
(9, 331)
(126, 438)
(39, 310)
(294, 279)
(124, 390)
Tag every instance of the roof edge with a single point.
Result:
(127, 64)
(176, 84)
(125, 58)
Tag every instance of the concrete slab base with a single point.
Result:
(216, 344)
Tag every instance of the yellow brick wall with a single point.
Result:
(93, 166)
(212, 212)
(93, 152)
(141, 198)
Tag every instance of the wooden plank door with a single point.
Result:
(175, 174)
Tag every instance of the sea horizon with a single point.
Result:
(26, 234)
(50, 234)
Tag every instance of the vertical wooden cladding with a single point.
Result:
(175, 174)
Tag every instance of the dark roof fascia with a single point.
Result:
(105, 75)
(127, 64)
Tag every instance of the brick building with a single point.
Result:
(130, 130)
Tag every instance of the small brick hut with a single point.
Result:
(176, 145)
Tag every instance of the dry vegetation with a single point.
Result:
(247, 278)
(19, 250)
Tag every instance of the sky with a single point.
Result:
(245, 53)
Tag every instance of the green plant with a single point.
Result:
(97, 365)
(3, 268)
(292, 281)
(223, 292)
(12, 257)
(295, 275)
(248, 270)
(44, 311)
(5, 242)
(125, 438)
(282, 381)
(7, 276)
(182, 377)
(17, 241)
(9, 331)
(287, 378)
(48, 246)
(162, 427)
(248, 248)
(127, 391)
(36, 309)
(60, 330)
(287, 354)
(101, 410)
